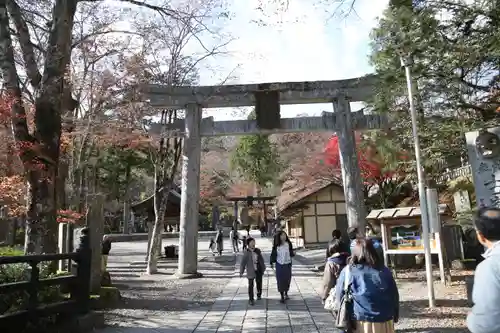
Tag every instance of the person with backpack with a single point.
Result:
(336, 261)
(373, 293)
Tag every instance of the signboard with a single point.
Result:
(485, 172)
(407, 237)
(462, 201)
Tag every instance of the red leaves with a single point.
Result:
(68, 216)
(12, 192)
(372, 164)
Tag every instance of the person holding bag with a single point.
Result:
(335, 262)
(367, 293)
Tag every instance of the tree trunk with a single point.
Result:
(150, 237)
(126, 201)
(32, 240)
(160, 200)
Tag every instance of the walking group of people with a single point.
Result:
(357, 270)
(355, 273)
(357, 283)
(281, 260)
(217, 245)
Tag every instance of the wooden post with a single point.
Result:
(440, 249)
(385, 240)
(351, 174)
(70, 242)
(190, 193)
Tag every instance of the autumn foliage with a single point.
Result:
(374, 166)
(68, 216)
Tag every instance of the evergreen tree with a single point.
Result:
(456, 51)
(256, 158)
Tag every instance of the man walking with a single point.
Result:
(233, 235)
(485, 314)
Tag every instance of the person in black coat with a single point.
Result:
(336, 235)
(219, 241)
(281, 255)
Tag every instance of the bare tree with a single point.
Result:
(166, 161)
(37, 38)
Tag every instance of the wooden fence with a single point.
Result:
(78, 285)
(455, 173)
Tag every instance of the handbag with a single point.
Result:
(331, 301)
(343, 320)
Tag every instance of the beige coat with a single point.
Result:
(332, 272)
(247, 264)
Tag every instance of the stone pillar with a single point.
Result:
(62, 244)
(95, 225)
(126, 217)
(351, 174)
(190, 193)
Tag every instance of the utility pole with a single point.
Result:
(407, 62)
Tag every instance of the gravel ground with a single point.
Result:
(145, 297)
(450, 312)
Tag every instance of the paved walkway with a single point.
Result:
(232, 313)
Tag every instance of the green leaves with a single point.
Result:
(456, 51)
(257, 160)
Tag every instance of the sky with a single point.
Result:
(303, 43)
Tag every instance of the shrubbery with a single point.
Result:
(15, 301)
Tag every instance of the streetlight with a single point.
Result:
(407, 62)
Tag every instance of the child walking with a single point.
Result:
(253, 263)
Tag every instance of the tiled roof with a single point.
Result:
(293, 191)
(402, 212)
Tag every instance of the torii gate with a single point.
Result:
(267, 99)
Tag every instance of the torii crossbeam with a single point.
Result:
(194, 99)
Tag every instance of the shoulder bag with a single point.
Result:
(344, 320)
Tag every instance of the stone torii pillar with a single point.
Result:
(351, 173)
(269, 97)
(190, 192)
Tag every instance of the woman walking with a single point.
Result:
(336, 261)
(281, 255)
(374, 293)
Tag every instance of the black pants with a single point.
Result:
(258, 281)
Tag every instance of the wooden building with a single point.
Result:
(145, 208)
(312, 211)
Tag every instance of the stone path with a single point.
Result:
(231, 312)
